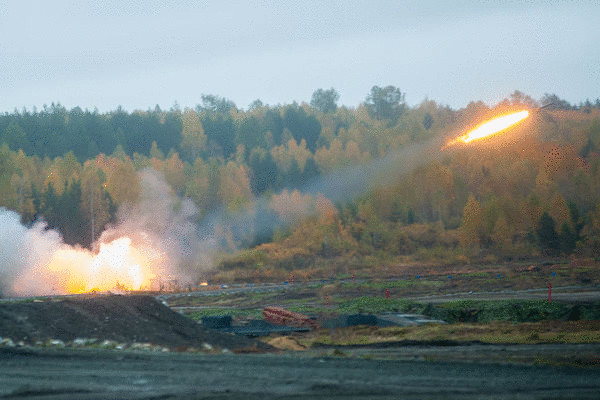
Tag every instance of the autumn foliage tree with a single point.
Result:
(470, 228)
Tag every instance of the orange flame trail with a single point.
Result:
(491, 127)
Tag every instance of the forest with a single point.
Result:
(536, 193)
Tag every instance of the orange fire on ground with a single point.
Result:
(117, 265)
(491, 127)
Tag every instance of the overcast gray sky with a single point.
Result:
(141, 53)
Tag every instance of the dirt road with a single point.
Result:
(92, 374)
(566, 293)
(569, 294)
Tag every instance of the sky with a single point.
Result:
(137, 54)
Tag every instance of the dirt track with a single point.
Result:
(566, 293)
(92, 374)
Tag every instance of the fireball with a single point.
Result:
(117, 265)
(491, 127)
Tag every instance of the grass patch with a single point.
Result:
(511, 310)
(476, 310)
(234, 313)
(479, 274)
(306, 309)
(399, 284)
(374, 305)
(497, 332)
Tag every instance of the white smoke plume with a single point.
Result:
(155, 240)
(22, 251)
(166, 223)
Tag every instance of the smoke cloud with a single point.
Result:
(153, 239)
(163, 222)
(22, 251)
(349, 183)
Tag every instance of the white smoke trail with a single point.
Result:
(339, 186)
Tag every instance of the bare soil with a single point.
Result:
(123, 319)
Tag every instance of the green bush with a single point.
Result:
(511, 310)
(476, 311)
(220, 312)
(373, 305)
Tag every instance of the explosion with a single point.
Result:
(118, 265)
(155, 242)
(491, 127)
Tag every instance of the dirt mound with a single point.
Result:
(124, 319)
(286, 343)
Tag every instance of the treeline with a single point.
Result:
(214, 128)
(539, 194)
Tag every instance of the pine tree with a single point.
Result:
(548, 239)
(568, 239)
(397, 211)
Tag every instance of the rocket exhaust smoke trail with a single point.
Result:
(338, 186)
(348, 183)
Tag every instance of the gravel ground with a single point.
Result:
(92, 374)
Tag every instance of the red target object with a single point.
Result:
(387, 293)
(327, 301)
(549, 292)
(281, 316)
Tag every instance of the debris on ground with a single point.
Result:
(286, 343)
(281, 316)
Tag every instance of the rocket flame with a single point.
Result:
(491, 127)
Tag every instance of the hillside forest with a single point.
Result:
(535, 192)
